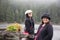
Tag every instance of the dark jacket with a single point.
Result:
(46, 33)
(29, 25)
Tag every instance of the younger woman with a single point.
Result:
(29, 23)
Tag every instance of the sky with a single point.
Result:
(42, 1)
(18, 2)
(32, 1)
(37, 0)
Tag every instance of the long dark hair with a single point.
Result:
(29, 17)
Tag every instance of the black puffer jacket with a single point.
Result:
(29, 25)
(46, 33)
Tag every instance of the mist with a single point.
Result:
(29, 2)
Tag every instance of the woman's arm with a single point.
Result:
(27, 25)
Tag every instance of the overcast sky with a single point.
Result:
(32, 1)
(37, 0)
(42, 1)
(18, 2)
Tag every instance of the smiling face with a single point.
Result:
(45, 20)
(30, 14)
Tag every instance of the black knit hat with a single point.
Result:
(46, 16)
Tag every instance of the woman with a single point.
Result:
(29, 23)
(45, 31)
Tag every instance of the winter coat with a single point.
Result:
(46, 33)
(29, 25)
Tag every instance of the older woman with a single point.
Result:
(45, 31)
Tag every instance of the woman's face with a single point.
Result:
(30, 14)
(45, 20)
